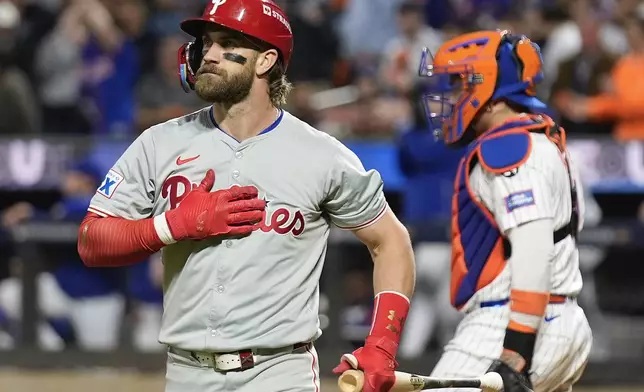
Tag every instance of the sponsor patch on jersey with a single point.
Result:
(519, 199)
(110, 183)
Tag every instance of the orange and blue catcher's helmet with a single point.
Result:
(473, 69)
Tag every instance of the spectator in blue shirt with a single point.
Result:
(90, 299)
(430, 167)
(111, 64)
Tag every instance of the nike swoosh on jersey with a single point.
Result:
(184, 161)
(549, 319)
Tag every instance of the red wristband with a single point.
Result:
(389, 315)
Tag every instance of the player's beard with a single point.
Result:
(223, 87)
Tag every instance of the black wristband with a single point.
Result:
(521, 343)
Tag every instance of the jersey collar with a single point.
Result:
(271, 127)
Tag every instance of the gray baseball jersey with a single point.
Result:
(225, 294)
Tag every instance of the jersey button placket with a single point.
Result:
(214, 316)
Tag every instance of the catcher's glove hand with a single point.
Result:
(513, 381)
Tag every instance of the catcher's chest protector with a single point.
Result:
(479, 251)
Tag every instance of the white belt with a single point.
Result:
(226, 362)
(238, 360)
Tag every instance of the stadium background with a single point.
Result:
(79, 79)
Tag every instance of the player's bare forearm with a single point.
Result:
(394, 268)
(394, 276)
(390, 247)
(116, 242)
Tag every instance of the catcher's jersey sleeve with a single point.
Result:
(522, 195)
(355, 197)
(127, 190)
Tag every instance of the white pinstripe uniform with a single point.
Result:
(538, 189)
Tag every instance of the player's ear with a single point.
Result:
(265, 61)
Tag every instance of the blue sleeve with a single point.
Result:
(127, 62)
(119, 89)
(420, 152)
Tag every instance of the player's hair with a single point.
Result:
(279, 87)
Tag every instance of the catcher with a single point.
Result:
(517, 209)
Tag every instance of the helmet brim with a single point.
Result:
(194, 26)
(532, 103)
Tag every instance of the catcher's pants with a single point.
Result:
(295, 371)
(561, 352)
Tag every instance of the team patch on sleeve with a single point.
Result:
(519, 199)
(110, 183)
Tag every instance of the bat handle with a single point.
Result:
(351, 381)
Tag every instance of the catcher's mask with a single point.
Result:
(473, 69)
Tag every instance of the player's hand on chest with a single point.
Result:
(291, 200)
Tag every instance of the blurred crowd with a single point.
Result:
(108, 68)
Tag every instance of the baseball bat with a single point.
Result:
(353, 381)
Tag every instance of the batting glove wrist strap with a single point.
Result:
(389, 315)
(521, 343)
(162, 228)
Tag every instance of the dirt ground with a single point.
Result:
(119, 381)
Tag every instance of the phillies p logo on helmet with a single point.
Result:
(215, 5)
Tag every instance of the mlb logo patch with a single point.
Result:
(519, 199)
(110, 183)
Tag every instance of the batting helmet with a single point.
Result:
(260, 19)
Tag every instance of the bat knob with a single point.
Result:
(351, 381)
(492, 382)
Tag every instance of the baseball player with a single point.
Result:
(240, 197)
(516, 211)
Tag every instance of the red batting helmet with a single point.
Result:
(260, 19)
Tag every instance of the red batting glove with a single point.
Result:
(377, 359)
(202, 214)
